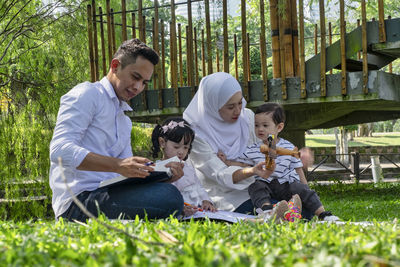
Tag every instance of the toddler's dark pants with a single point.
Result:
(262, 192)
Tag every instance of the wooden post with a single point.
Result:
(173, 56)
(140, 17)
(164, 82)
(155, 79)
(217, 50)
(303, 91)
(382, 30)
(180, 55)
(189, 46)
(123, 18)
(144, 29)
(95, 42)
(323, 47)
(276, 64)
(90, 35)
(295, 34)
(282, 58)
(109, 35)
(358, 53)
(288, 40)
(196, 58)
(225, 27)
(364, 46)
(208, 31)
(102, 41)
(236, 57)
(114, 46)
(343, 49)
(133, 25)
(390, 64)
(244, 52)
(315, 39)
(248, 57)
(263, 51)
(203, 55)
(156, 46)
(103, 46)
(330, 38)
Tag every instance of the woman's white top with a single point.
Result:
(216, 177)
(190, 187)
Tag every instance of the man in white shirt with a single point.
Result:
(92, 138)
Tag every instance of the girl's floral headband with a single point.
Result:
(171, 125)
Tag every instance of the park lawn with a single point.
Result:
(206, 243)
(378, 139)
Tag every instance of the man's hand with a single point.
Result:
(134, 167)
(176, 170)
(306, 157)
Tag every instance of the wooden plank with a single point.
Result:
(248, 57)
(263, 51)
(144, 29)
(323, 47)
(217, 52)
(123, 19)
(156, 45)
(364, 46)
(95, 41)
(303, 91)
(189, 46)
(102, 41)
(133, 25)
(282, 59)
(244, 52)
(109, 36)
(288, 40)
(208, 31)
(164, 81)
(225, 34)
(276, 58)
(196, 58)
(113, 42)
(236, 57)
(180, 51)
(315, 39)
(140, 18)
(343, 49)
(173, 55)
(382, 30)
(203, 55)
(155, 79)
(295, 34)
(330, 39)
(90, 44)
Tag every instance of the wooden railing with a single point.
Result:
(197, 52)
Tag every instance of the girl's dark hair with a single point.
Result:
(174, 134)
(278, 113)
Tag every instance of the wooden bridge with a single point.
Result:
(314, 95)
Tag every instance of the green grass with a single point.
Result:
(206, 243)
(378, 139)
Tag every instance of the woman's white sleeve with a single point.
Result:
(206, 161)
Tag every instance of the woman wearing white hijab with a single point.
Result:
(221, 122)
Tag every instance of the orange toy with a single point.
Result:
(271, 152)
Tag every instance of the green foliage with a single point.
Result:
(387, 139)
(207, 243)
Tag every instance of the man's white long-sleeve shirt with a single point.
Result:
(90, 119)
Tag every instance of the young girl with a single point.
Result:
(174, 137)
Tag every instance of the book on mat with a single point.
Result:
(160, 174)
(221, 215)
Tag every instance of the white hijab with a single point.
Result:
(202, 113)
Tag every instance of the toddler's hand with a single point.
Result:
(221, 156)
(261, 171)
(207, 205)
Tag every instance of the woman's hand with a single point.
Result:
(261, 171)
(208, 206)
